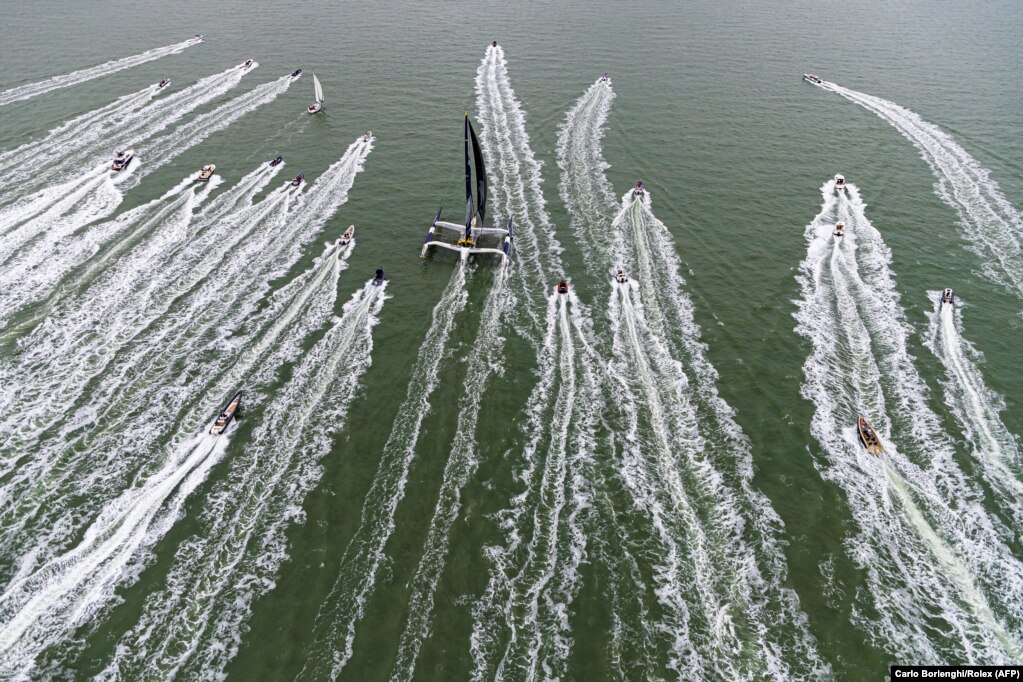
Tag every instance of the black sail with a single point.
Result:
(481, 175)
(468, 175)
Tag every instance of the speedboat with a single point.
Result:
(948, 296)
(839, 229)
(206, 173)
(296, 73)
(839, 183)
(122, 159)
(347, 236)
(493, 44)
(638, 190)
(318, 92)
(620, 276)
(164, 83)
(227, 414)
(198, 38)
(277, 161)
(563, 286)
(868, 437)
(298, 180)
(366, 135)
(378, 278)
(248, 63)
(604, 78)
(810, 78)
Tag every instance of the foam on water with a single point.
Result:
(30, 90)
(986, 218)
(913, 501)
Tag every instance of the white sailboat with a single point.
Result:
(318, 104)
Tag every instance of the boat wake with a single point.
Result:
(913, 500)
(30, 90)
(987, 220)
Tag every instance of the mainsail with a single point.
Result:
(317, 88)
(481, 175)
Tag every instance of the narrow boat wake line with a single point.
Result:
(39, 153)
(52, 595)
(194, 626)
(521, 626)
(30, 90)
(987, 220)
(975, 406)
(134, 127)
(587, 194)
(941, 584)
(345, 606)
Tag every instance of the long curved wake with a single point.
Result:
(30, 90)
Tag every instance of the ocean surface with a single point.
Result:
(462, 474)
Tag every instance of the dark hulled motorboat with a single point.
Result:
(122, 159)
(277, 161)
(948, 296)
(229, 412)
(248, 63)
(298, 180)
(164, 83)
(868, 437)
(379, 278)
(206, 173)
(366, 136)
(638, 190)
(810, 78)
(563, 286)
(296, 73)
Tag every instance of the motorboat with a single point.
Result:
(367, 135)
(620, 276)
(229, 412)
(122, 159)
(868, 437)
(604, 78)
(638, 190)
(277, 161)
(473, 237)
(948, 296)
(164, 83)
(248, 63)
(298, 180)
(347, 236)
(810, 78)
(296, 73)
(493, 44)
(206, 173)
(563, 286)
(318, 92)
(198, 38)
(839, 229)
(839, 183)
(378, 278)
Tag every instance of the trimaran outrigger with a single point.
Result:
(474, 237)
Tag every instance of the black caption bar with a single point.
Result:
(956, 672)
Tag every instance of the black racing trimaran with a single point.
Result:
(474, 236)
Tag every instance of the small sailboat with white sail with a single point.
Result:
(318, 90)
(473, 236)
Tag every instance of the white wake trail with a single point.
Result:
(975, 406)
(941, 583)
(986, 218)
(30, 90)
(194, 626)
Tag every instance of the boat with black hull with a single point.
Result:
(948, 297)
(378, 278)
(164, 83)
(277, 161)
(229, 412)
(869, 437)
(473, 236)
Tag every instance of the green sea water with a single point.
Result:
(710, 112)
